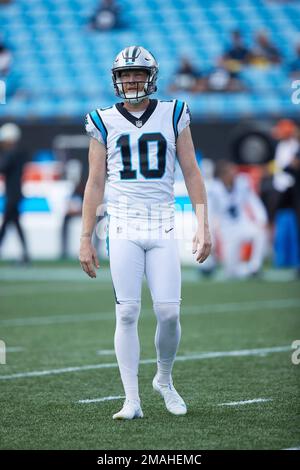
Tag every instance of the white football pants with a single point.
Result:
(132, 254)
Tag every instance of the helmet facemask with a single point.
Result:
(139, 59)
(137, 94)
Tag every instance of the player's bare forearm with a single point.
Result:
(197, 193)
(93, 197)
(196, 189)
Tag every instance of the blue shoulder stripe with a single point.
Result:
(177, 112)
(98, 122)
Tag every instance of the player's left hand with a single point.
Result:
(202, 244)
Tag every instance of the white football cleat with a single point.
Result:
(173, 401)
(131, 409)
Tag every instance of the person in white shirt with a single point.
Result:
(238, 216)
(286, 150)
(134, 144)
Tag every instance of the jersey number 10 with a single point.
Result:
(128, 173)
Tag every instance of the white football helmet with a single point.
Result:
(135, 57)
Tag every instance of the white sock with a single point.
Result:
(127, 347)
(167, 338)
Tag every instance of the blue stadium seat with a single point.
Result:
(57, 54)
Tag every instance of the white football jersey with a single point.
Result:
(141, 156)
(231, 206)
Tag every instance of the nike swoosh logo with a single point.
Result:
(167, 231)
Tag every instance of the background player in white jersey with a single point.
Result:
(238, 216)
(134, 144)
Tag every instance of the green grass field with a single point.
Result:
(236, 346)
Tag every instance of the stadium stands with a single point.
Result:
(61, 67)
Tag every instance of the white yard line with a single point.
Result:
(39, 289)
(105, 352)
(75, 274)
(50, 274)
(245, 402)
(95, 400)
(292, 448)
(192, 357)
(57, 319)
(229, 307)
(233, 403)
(14, 349)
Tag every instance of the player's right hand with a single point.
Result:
(88, 257)
(202, 244)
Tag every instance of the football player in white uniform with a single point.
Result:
(134, 144)
(238, 216)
